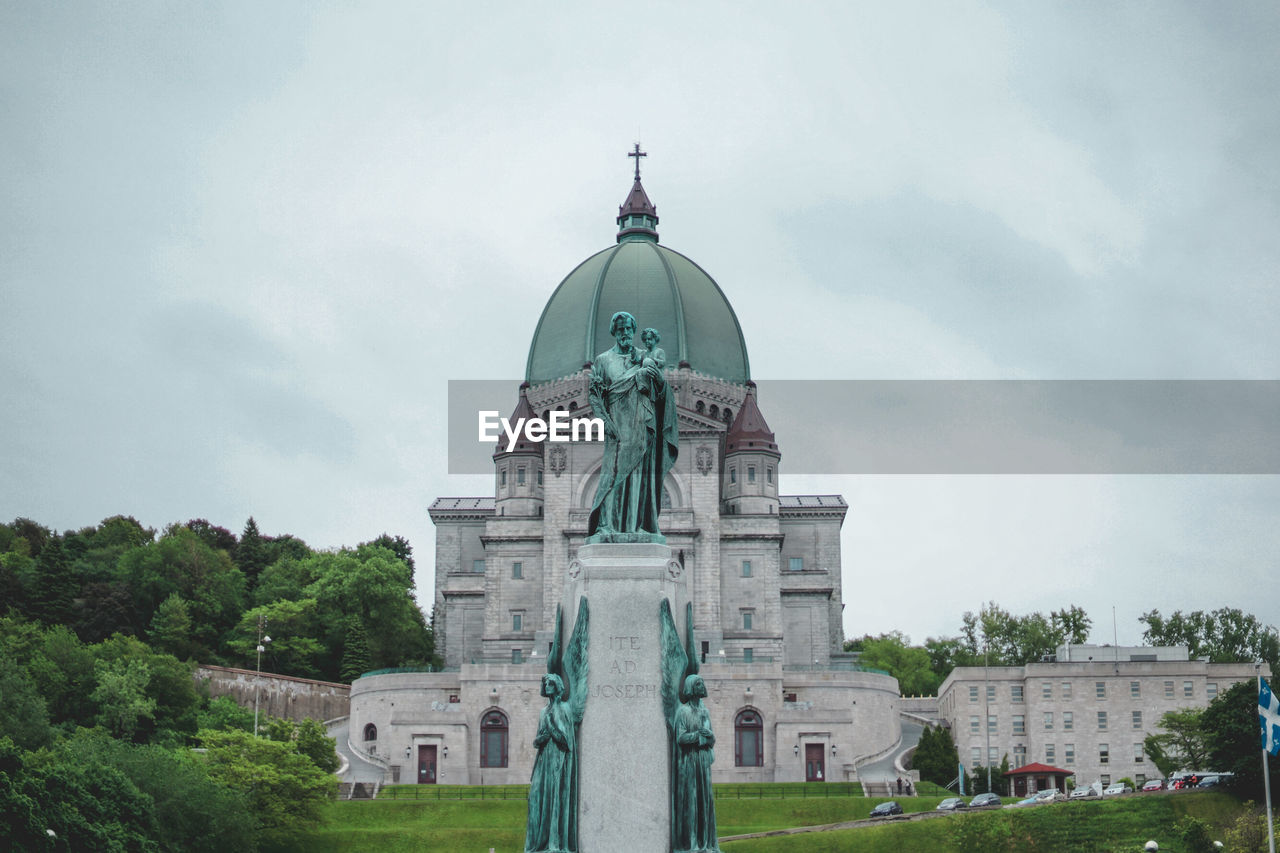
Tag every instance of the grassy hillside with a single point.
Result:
(1084, 827)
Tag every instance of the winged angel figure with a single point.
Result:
(693, 804)
(553, 791)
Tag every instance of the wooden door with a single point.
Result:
(814, 763)
(427, 764)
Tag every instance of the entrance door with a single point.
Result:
(427, 765)
(814, 766)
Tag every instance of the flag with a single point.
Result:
(1269, 717)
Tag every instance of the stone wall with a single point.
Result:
(281, 695)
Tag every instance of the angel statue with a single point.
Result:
(553, 790)
(693, 804)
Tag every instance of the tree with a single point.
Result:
(1231, 733)
(222, 713)
(63, 670)
(1226, 635)
(355, 652)
(294, 628)
(397, 545)
(122, 698)
(1182, 741)
(1249, 832)
(24, 719)
(314, 742)
(171, 628)
(217, 538)
(1003, 639)
(283, 788)
(909, 664)
(1154, 747)
(935, 756)
(53, 593)
(251, 553)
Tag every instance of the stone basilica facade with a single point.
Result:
(764, 569)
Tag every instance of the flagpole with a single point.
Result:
(1266, 779)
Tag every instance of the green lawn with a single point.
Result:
(473, 826)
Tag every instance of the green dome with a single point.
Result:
(661, 288)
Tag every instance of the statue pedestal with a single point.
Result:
(623, 773)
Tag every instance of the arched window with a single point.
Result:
(748, 739)
(715, 410)
(728, 415)
(493, 739)
(701, 407)
(370, 732)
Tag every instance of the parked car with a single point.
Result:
(1050, 796)
(1083, 793)
(886, 809)
(1209, 782)
(1117, 788)
(986, 800)
(951, 804)
(1154, 785)
(1029, 801)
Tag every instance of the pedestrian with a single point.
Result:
(899, 784)
(908, 787)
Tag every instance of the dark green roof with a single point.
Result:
(662, 289)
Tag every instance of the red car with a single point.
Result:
(1154, 785)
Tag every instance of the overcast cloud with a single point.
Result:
(245, 246)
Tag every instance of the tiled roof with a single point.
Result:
(823, 501)
(474, 504)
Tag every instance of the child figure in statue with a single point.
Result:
(694, 815)
(652, 354)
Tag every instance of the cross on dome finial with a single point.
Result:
(637, 153)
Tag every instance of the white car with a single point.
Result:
(1049, 795)
(1118, 788)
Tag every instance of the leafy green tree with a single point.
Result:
(1226, 635)
(20, 825)
(217, 538)
(171, 628)
(170, 684)
(251, 553)
(397, 545)
(1154, 746)
(1232, 737)
(284, 789)
(1182, 739)
(286, 546)
(946, 653)
(314, 742)
(1248, 834)
(52, 596)
(24, 719)
(1003, 639)
(293, 627)
(223, 714)
(108, 609)
(122, 698)
(355, 652)
(893, 653)
(1195, 835)
(63, 669)
(211, 586)
(935, 756)
(33, 536)
(288, 578)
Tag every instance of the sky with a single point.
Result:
(244, 248)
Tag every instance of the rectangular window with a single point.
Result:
(517, 570)
(1137, 719)
(1066, 690)
(1050, 753)
(768, 475)
(991, 693)
(1019, 755)
(796, 564)
(539, 476)
(1102, 721)
(516, 620)
(1106, 780)
(517, 656)
(1069, 753)
(1019, 725)
(746, 620)
(1048, 721)
(1046, 690)
(1104, 753)
(993, 755)
(1139, 779)
(993, 722)
(1135, 689)
(477, 566)
(502, 478)
(1015, 693)
(748, 655)
(733, 476)
(1068, 720)
(1137, 753)
(1188, 689)
(976, 756)
(973, 693)
(1210, 691)
(975, 725)
(751, 473)
(1100, 687)
(746, 568)
(520, 476)
(1168, 690)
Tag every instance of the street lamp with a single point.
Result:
(257, 684)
